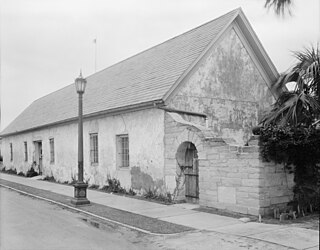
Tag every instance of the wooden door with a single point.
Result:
(40, 157)
(192, 175)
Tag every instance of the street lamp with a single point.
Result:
(80, 188)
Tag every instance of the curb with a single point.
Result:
(90, 214)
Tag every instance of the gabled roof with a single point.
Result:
(142, 79)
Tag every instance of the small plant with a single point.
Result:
(73, 180)
(49, 178)
(94, 186)
(9, 171)
(164, 198)
(131, 192)
(150, 194)
(21, 173)
(114, 186)
(31, 172)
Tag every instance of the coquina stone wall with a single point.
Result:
(236, 179)
(232, 178)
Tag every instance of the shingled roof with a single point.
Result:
(143, 78)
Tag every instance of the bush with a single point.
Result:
(9, 171)
(31, 172)
(114, 186)
(94, 186)
(49, 178)
(21, 174)
(153, 195)
(300, 147)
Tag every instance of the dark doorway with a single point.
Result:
(38, 155)
(187, 158)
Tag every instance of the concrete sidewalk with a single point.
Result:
(183, 214)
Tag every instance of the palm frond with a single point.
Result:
(280, 6)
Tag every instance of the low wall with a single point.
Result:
(236, 179)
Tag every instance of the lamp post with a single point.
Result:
(80, 188)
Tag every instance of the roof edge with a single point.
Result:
(109, 112)
(189, 69)
(254, 40)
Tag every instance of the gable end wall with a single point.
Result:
(229, 86)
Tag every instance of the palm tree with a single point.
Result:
(279, 5)
(300, 106)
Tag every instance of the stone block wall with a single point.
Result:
(236, 179)
(231, 177)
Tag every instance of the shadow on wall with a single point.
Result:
(143, 181)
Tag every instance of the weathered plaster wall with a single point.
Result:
(65, 138)
(227, 86)
(145, 129)
(175, 135)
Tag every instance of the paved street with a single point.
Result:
(32, 223)
(28, 223)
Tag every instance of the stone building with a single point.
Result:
(174, 118)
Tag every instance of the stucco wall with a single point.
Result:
(227, 86)
(145, 129)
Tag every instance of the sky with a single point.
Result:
(45, 43)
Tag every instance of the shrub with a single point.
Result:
(300, 147)
(153, 195)
(114, 186)
(131, 192)
(9, 171)
(31, 172)
(49, 178)
(94, 186)
(21, 173)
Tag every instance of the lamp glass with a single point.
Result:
(80, 84)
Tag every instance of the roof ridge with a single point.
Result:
(22, 122)
(186, 32)
(170, 39)
(237, 12)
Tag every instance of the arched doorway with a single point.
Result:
(187, 159)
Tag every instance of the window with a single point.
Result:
(11, 152)
(25, 151)
(123, 151)
(94, 157)
(51, 142)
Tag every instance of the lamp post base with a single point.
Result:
(80, 194)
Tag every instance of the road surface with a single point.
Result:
(28, 223)
(31, 224)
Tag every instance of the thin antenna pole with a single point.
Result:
(95, 54)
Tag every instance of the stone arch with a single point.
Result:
(193, 136)
(189, 139)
